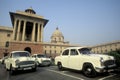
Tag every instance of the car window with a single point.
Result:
(20, 54)
(84, 51)
(33, 56)
(73, 52)
(66, 52)
(41, 56)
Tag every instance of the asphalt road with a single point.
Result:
(52, 73)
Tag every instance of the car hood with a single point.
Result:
(24, 58)
(105, 57)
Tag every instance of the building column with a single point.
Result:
(41, 33)
(23, 33)
(38, 33)
(33, 32)
(14, 30)
(18, 30)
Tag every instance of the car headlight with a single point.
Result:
(17, 61)
(102, 61)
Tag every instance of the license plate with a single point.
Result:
(27, 68)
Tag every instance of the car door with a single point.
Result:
(74, 59)
(65, 58)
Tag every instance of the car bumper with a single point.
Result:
(105, 68)
(24, 67)
(45, 63)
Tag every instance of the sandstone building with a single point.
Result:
(27, 34)
(57, 44)
(106, 47)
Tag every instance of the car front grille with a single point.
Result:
(25, 63)
(109, 62)
(46, 61)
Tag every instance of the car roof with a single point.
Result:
(19, 51)
(76, 47)
(39, 54)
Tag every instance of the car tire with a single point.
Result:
(34, 69)
(60, 67)
(89, 71)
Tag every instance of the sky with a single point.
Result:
(83, 22)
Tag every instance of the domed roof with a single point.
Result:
(57, 33)
(30, 10)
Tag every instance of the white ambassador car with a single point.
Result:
(20, 60)
(42, 60)
(81, 58)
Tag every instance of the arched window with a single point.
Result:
(7, 44)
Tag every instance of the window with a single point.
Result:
(8, 35)
(111, 49)
(34, 56)
(66, 52)
(45, 46)
(73, 52)
(20, 54)
(7, 44)
(45, 51)
(84, 51)
(55, 51)
(106, 50)
(50, 52)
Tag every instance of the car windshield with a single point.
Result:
(84, 51)
(21, 54)
(41, 56)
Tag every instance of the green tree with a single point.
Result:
(116, 55)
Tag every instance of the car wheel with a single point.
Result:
(35, 68)
(89, 71)
(60, 67)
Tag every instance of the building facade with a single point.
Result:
(5, 35)
(106, 47)
(57, 44)
(27, 34)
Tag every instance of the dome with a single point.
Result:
(30, 10)
(57, 36)
(57, 33)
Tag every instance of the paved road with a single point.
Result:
(52, 73)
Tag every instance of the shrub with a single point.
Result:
(116, 55)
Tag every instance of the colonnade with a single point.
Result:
(19, 35)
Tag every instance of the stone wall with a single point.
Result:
(34, 48)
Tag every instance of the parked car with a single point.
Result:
(42, 60)
(81, 58)
(20, 60)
